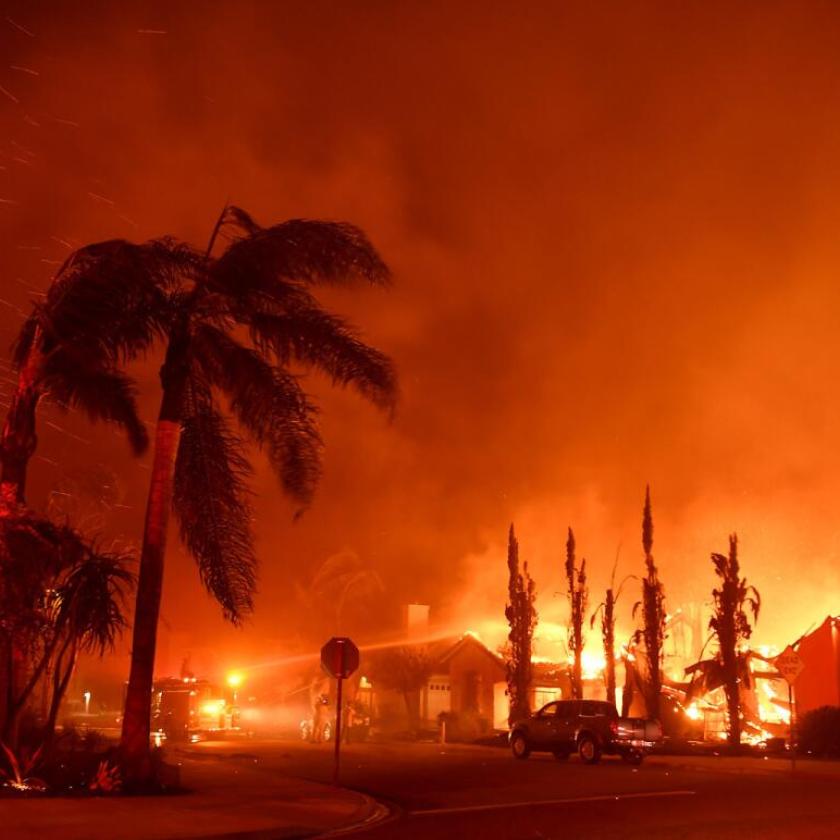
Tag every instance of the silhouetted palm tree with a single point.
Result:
(339, 577)
(262, 282)
(731, 627)
(59, 595)
(578, 594)
(653, 616)
(106, 304)
(607, 610)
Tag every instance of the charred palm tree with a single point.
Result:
(607, 610)
(653, 616)
(578, 595)
(522, 620)
(261, 283)
(731, 626)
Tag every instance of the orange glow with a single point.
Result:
(634, 285)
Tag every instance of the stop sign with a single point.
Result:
(340, 657)
(789, 664)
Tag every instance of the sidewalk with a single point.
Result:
(225, 799)
(741, 765)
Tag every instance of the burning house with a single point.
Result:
(819, 683)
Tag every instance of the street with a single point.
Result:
(469, 791)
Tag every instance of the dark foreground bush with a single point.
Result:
(464, 726)
(819, 732)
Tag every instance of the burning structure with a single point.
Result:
(819, 683)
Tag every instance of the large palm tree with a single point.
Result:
(70, 349)
(233, 325)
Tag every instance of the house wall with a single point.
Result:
(472, 676)
(819, 683)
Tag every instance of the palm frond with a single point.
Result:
(91, 599)
(270, 404)
(241, 221)
(309, 335)
(25, 340)
(211, 502)
(104, 393)
(111, 297)
(265, 261)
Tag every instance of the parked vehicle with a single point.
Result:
(590, 728)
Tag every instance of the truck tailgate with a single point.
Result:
(638, 729)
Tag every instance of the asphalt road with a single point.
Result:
(482, 792)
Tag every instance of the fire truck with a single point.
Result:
(190, 709)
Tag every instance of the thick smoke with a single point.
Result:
(614, 238)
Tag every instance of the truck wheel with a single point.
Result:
(519, 746)
(633, 757)
(588, 749)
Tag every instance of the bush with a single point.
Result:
(464, 726)
(819, 731)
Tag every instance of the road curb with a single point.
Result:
(377, 813)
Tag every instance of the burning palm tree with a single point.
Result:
(653, 616)
(522, 619)
(578, 596)
(731, 626)
(607, 610)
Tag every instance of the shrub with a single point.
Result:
(819, 731)
(464, 726)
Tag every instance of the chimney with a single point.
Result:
(416, 618)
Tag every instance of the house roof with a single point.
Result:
(467, 640)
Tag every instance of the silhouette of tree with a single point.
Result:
(405, 669)
(202, 306)
(106, 305)
(607, 610)
(522, 619)
(59, 596)
(343, 580)
(731, 626)
(653, 616)
(578, 595)
(261, 283)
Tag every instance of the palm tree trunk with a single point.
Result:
(609, 644)
(134, 743)
(16, 701)
(18, 440)
(136, 729)
(137, 718)
(734, 708)
(61, 679)
(577, 670)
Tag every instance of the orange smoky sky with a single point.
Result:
(614, 233)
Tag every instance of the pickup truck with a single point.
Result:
(590, 728)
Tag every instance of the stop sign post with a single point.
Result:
(339, 658)
(790, 665)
